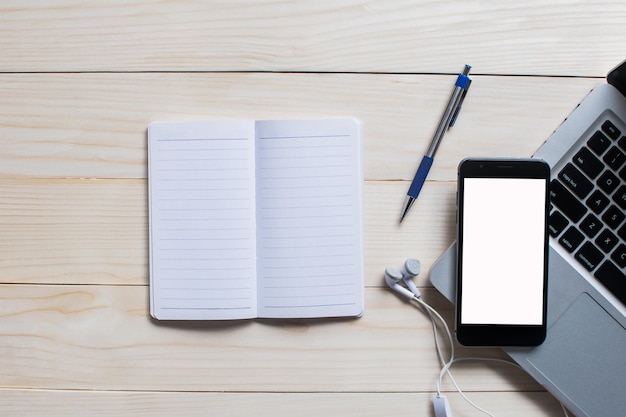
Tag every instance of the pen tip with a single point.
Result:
(407, 205)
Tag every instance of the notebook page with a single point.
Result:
(202, 222)
(309, 218)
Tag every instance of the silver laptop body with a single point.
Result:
(583, 359)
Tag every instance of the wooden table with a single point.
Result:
(79, 83)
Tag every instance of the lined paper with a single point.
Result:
(202, 218)
(308, 217)
(255, 219)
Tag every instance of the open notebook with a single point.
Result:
(255, 219)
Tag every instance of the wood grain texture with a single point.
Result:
(102, 338)
(74, 231)
(159, 404)
(565, 37)
(94, 125)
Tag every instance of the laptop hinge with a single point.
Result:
(617, 77)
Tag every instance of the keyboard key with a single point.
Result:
(571, 239)
(557, 223)
(622, 143)
(622, 173)
(589, 256)
(606, 241)
(613, 217)
(620, 197)
(587, 161)
(614, 158)
(613, 279)
(599, 142)
(610, 129)
(597, 202)
(576, 180)
(619, 256)
(622, 232)
(608, 182)
(591, 225)
(566, 202)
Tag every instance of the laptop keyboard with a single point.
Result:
(588, 202)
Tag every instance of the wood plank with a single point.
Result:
(36, 403)
(74, 231)
(81, 231)
(340, 35)
(94, 125)
(101, 338)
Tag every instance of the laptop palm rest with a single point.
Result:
(594, 349)
(583, 341)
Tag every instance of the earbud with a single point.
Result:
(393, 278)
(410, 269)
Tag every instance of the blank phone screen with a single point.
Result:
(502, 269)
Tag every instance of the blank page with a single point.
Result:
(202, 221)
(309, 218)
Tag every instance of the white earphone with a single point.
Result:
(393, 277)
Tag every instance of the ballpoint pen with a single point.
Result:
(447, 120)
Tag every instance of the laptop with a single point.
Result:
(582, 362)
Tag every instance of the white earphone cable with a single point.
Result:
(446, 364)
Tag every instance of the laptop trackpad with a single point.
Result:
(584, 341)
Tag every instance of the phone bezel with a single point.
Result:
(500, 334)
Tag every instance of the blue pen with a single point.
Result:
(447, 120)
